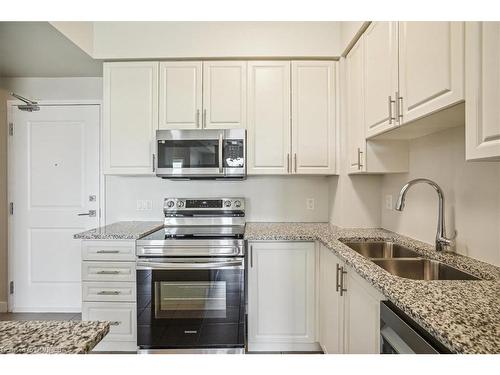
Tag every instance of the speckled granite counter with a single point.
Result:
(50, 337)
(121, 230)
(463, 315)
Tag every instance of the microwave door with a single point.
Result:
(188, 157)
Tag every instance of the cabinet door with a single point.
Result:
(355, 116)
(130, 113)
(281, 295)
(431, 67)
(482, 127)
(330, 304)
(361, 315)
(268, 117)
(224, 94)
(180, 95)
(380, 76)
(313, 117)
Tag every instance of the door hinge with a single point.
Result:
(11, 287)
(11, 208)
(11, 128)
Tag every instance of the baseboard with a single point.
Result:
(283, 347)
(3, 306)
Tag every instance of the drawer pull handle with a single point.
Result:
(108, 293)
(108, 272)
(190, 332)
(115, 323)
(107, 251)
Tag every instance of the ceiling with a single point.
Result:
(37, 49)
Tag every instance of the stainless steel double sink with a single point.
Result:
(401, 261)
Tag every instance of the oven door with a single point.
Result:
(189, 153)
(190, 303)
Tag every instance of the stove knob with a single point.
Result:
(170, 204)
(180, 204)
(227, 203)
(237, 204)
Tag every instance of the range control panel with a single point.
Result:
(210, 204)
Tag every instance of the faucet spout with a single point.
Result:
(442, 241)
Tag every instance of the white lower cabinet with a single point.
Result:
(349, 309)
(281, 296)
(109, 291)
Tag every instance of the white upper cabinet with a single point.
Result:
(313, 117)
(431, 67)
(380, 78)
(224, 94)
(354, 117)
(268, 133)
(130, 114)
(180, 95)
(482, 91)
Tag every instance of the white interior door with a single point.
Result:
(53, 177)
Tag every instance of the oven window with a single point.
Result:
(190, 299)
(179, 154)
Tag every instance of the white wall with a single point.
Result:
(472, 196)
(71, 88)
(156, 40)
(268, 198)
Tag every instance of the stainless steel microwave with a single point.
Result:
(198, 154)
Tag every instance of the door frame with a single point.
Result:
(101, 220)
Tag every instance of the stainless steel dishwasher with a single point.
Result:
(399, 334)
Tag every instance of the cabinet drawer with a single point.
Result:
(108, 271)
(108, 250)
(108, 291)
(121, 315)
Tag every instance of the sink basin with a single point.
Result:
(422, 269)
(381, 249)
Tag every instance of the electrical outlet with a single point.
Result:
(310, 203)
(388, 202)
(143, 205)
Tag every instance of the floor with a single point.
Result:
(40, 316)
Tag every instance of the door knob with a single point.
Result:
(91, 213)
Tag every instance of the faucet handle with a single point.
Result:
(449, 242)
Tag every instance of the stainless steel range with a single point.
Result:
(191, 279)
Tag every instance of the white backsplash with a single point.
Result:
(268, 198)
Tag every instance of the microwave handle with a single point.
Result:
(221, 141)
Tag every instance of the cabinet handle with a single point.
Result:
(108, 272)
(400, 108)
(251, 256)
(204, 118)
(337, 284)
(295, 161)
(115, 323)
(108, 293)
(107, 251)
(390, 102)
(288, 163)
(154, 159)
(359, 159)
(342, 273)
(197, 118)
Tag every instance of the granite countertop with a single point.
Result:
(51, 337)
(462, 315)
(121, 230)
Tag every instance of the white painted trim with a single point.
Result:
(3, 306)
(10, 253)
(284, 347)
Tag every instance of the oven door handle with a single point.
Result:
(230, 264)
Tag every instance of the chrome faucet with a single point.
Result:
(442, 242)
